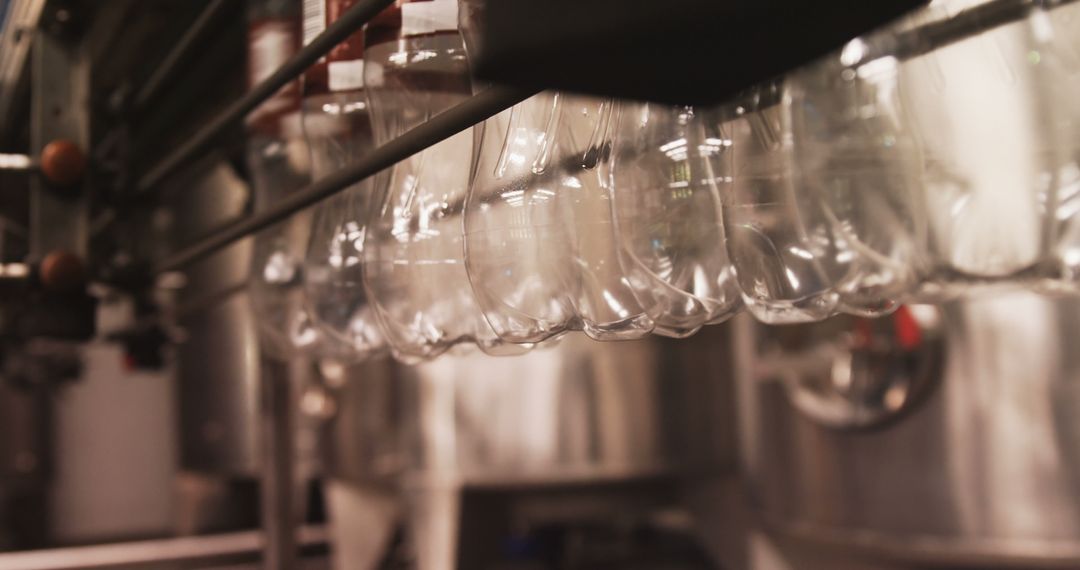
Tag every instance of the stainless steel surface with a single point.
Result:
(985, 473)
(167, 553)
(217, 358)
(362, 405)
(578, 410)
(856, 373)
(280, 484)
(217, 369)
(579, 413)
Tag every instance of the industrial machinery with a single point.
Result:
(866, 367)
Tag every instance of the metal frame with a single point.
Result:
(349, 22)
(154, 553)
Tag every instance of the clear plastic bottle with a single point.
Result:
(778, 237)
(825, 215)
(414, 268)
(1057, 56)
(541, 246)
(854, 150)
(278, 162)
(997, 121)
(338, 131)
(670, 168)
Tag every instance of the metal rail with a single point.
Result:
(183, 51)
(477, 108)
(973, 21)
(339, 31)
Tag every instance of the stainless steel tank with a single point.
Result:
(577, 430)
(979, 468)
(217, 358)
(24, 467)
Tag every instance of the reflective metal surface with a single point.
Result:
(985, 473)
(580, 413)
(219, 402)
(217, 360)
(579, 410)
(857, 373)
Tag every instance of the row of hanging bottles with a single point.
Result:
(876, 176)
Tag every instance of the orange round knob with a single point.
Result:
(62, 271)
(62, 162)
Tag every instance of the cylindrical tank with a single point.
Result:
(603, 419)
(983, 471)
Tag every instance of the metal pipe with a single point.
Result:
(182, 51)
(335, 33)
(932, 36)
(152, 553)
(440, 127)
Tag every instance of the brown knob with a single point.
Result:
(62, 271)
(62, 162)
